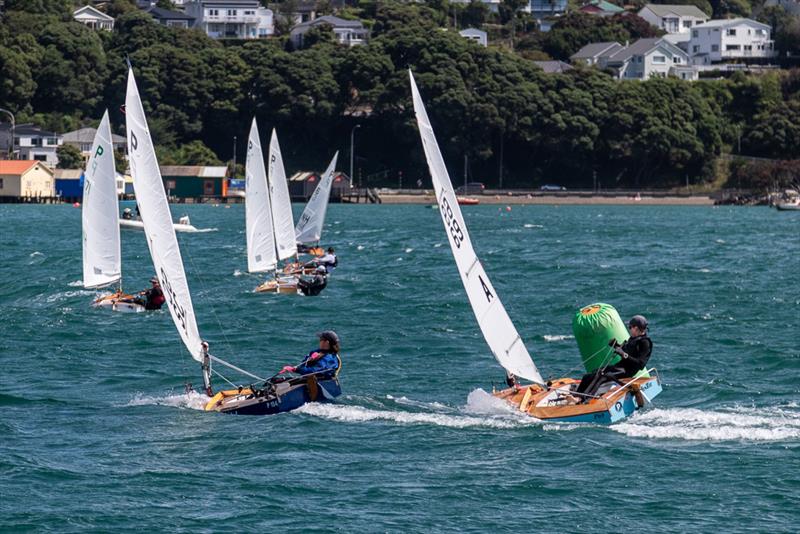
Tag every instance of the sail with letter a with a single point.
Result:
(102, 258)
(157, 219)
(496, 326)
(281, 203)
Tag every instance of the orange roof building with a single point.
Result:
(26, 178)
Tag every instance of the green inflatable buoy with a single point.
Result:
(594, 326)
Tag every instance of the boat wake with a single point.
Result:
(200, 230)
(481, 411)
(191, 400)
(734, 424)
(557, 338)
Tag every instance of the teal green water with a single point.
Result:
(98, 434)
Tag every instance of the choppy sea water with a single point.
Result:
(98, 434)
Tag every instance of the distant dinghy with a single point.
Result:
(166, 255)
(546, 401)
(102, 258)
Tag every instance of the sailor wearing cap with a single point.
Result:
(323, 362)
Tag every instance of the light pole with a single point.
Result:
(352, 134)
(13, 125)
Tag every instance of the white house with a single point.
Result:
(474, 34)
(94, 18)
(347, 32)
(33, 143)
(650, 58)
(720, 40)
(592, 53)
(232, 19)
(673, 18)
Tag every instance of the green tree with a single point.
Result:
(69, 157)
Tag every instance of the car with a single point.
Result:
(551, 187)
(472, 188)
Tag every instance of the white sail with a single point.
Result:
(157, 221)
(102, 259)
(498, 330)
(281, 203)
(261, 254)
(309, 227)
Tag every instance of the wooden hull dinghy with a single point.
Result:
(552, 403)
(282, 284)
(275, 398)
(468, 201)
(115, 302)
(553, 400)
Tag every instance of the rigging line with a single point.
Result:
(205, 290)
(224, 378)
(584, 360)
(226, 364)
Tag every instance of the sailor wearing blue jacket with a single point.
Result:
(323, 362)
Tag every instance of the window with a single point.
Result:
(52, 141)
(1, 183)
(213, 12)
(676, 59)
(730, 32)
(36, 141)
(695, 49)
(748, 48)
(249, 12)
(715, 48)
(695, 34)
(687, 23)
(231, 12)
(659, 59)
(731, 47)
(40, 157)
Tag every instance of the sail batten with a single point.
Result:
(102, 258)
(261, 251)
(309, 227)
(281, 203)
(157, 220)
(494, 322)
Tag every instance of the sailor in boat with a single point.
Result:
(329, 261)
(322, 362)
(313, 285)
(635, 353)
(151, 299)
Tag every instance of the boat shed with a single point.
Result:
(69, 183)
(26, 178)
(185, 181)
(303, 184)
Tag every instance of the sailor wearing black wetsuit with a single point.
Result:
(635, 353)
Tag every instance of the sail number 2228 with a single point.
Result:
(452, 224)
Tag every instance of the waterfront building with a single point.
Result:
(26, 178)
(185, 181)
(31, 143)
(673, 18)
(94, 18)
(302, 185)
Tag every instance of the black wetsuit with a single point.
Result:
(313, 287)
(638, 350)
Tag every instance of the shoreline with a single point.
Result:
(644, 200)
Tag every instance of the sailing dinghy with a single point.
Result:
(309, 228)
(270, 226)
(269, 398)
(102, 258)
(547, 401)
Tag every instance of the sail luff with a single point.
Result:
(309, 227)
(496, 326)
(157, 220)
(281, 203)
(261, 253)
(102, 257)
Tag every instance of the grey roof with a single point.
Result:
(721, 23)
(86, 135)
(680, 10)
(166, 14)
(27, 129)
(551, 67)
(640, 48)
(333, 21)
(595, 49)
